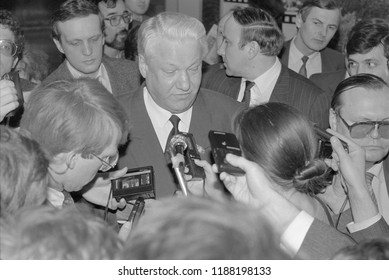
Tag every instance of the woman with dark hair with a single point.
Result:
(282, 141)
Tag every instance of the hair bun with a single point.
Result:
(311, 178)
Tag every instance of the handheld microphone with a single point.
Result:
(177, 146)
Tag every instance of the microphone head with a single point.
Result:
(178, 143)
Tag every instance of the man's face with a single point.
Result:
(173, 73)
(84, 170)
(82, 43)
(115, 36)
(138, 7)
(364, 105)
(6, 62)
(373, 62)
(317, 30)
(233, 55)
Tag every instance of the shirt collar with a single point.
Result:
(295, 53)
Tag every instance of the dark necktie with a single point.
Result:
(303, 69)
(247, 92)
(369, 180)
(174, 120)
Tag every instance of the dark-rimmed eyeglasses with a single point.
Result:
(116, 19)
(362, 129)
(108, 163)
(8, 48)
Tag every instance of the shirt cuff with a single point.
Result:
(294, 235)
(354, 227)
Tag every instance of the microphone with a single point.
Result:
(176, 148)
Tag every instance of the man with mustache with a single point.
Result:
(116, 24)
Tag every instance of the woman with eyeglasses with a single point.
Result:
(11, 48)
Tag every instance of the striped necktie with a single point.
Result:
(369, 180)
(247, 92)
(303, 69)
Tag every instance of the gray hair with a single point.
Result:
(173, 26)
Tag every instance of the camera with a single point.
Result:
(324, 145)
(136, 183)
(14, 77)
(223, 143)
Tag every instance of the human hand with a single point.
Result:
(249, 188)
(256, 189)
(99, 190)
(351, 164)
(211, 186)
(8, 98)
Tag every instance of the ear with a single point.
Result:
(142, 66)
(58, 45)
(59, 163)
(252, 49)
(333, 119)
(299, 20)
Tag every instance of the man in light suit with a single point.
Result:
(77, 33)
(250, 55)
(171, 47)
(366, 52)
(316, 22)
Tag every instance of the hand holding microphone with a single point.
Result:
(176, 148)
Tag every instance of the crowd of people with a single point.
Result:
(129, 82)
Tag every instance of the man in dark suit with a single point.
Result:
(359, 111)
(366, 52)
(171, 65)
(254, 58)
(307, 53)
(77, 33)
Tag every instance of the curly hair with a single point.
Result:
(8, 20)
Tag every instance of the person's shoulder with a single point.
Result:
(328, 76)
(217, 99)
(119, 62)
(300, 81)
(333, 53)
(60, 73)
(129, 97)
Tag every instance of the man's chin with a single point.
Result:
(375, 155)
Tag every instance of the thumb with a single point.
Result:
(117, 174)
(337, 146)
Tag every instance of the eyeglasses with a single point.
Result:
(108, 162)
(362, 129)
(7, 47)
(116, 19)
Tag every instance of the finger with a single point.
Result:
(5, 109)
(4, 84)
(125, 231)
(117, 174)
(349, 142)
(215, 169)
(337, 146)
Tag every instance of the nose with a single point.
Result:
(86, 49)
(221, 48)
(374, 133)
(361, 69)
(183, 82)
(323, 32)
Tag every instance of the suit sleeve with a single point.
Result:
(322, 242)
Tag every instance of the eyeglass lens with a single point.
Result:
(361, 130)
(115, 20)
(7, 48)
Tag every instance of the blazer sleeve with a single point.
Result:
(322, 242)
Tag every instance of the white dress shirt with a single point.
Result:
(160, 119)
(313, 65)
(264, 85)
(101, 75)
